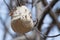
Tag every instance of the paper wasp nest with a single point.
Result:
(21, 20)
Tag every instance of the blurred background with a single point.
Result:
(47, 12)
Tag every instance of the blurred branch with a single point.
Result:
(34, 2)
(5, 29)
(7, 4)
(47, 9)
(44, 2)
(53, 16)
(48, 29)
(57, 11)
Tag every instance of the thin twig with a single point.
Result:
(7, 5)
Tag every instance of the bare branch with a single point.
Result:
(47, 9)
